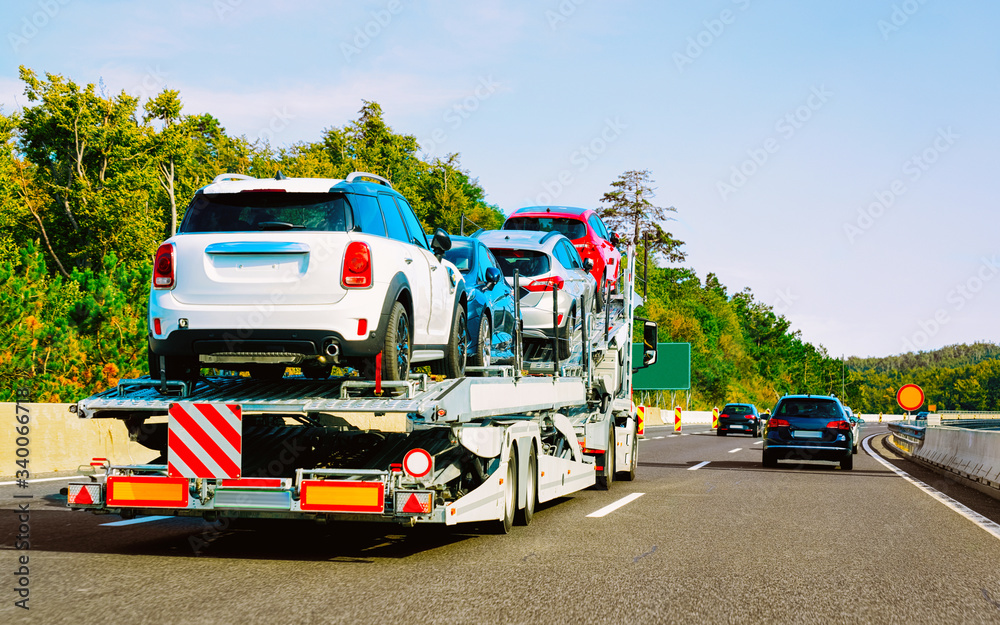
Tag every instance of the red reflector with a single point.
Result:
(418, 505)
(362, 327)
(83, 497)
(253, 482)
(157, 329)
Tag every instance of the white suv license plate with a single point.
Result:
(807, 434)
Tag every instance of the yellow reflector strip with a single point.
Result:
(148, 492)
(342, 496)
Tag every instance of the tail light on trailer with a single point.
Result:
(545, 284)
(357, 269)
(165, 267)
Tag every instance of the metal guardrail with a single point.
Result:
(908, 436)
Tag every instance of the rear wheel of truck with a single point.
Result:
(525, 514)
(628, 476)
(607, 477)
(509, 494)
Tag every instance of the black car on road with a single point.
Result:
(741, 419)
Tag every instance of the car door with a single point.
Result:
(501, 302)
(577, 276)
(414, 266)
(442, 287)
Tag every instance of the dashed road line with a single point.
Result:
(698, 466)
(45, 479)
(608, 509)
(733, 451)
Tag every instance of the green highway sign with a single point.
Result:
(671, 372)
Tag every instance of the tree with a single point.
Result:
(629, 207)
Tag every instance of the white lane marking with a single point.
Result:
(759, 443)
(142, 519)
(656, 438)
(606, 510)
(683, 434)
(984, 523)
(45, 479)
(733, 451)
(698, 466)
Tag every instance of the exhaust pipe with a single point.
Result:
(332, 349)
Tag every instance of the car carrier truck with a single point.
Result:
(486, 447)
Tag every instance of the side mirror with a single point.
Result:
(441, 242)
(649, 339)
(615, 239)
(588, 264)
(493, 276)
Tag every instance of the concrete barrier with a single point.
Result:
(972, 454)
(58, 440)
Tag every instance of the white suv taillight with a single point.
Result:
(164, 267)
(357, 271)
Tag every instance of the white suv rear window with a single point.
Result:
(252, 211)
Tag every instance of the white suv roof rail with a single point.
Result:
(351, 177)
(222, 177)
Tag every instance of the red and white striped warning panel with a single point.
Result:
(204, 440)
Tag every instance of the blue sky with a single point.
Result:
(835, 157)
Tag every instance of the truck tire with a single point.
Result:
(397, 347)
(607, 477)
(525, 514)
(509, 494)
(456, 353)
(629, 476)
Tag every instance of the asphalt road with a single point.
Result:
(728, 542)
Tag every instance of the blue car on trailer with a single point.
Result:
(491, 312)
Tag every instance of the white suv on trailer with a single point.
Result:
(309, 272)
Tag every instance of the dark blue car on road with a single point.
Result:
(809, 427)
(491, 313)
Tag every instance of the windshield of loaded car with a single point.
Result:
(252, 211)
